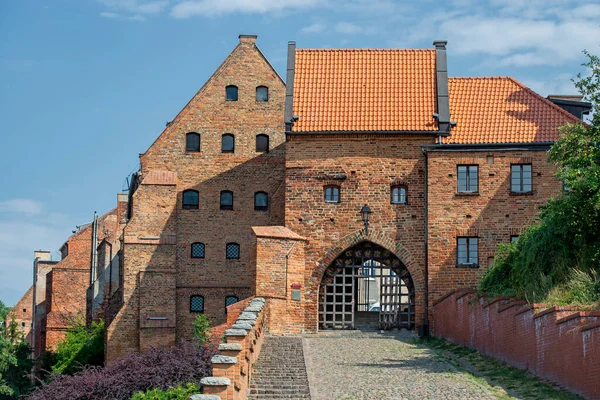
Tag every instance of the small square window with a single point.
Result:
(399, 195)
(227, 143)
(521, 178)
(197, 250)
(514, 238)
(192, 142)
(231, 93)
(262, 143)
(468, 178)
(230, 300)
(332, 194)
(226, 202)
(197, 304)
(190, 199)
(232, 251)
(262, 93)
(261, 201)
(467, 250)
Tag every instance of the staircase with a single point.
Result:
(280, 372)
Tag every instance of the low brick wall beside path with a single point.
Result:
(561, 344)
(232, 366)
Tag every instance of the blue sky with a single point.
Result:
(87, 85)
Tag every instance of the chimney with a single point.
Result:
(122, 202)
(42, 255)
(289, 87)
(441, 85)
(248, 39)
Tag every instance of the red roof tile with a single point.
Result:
(364, 90)
(502, 110)
(356, 90)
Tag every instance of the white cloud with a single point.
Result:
(348, 28)
(21, 206)
(109, 15)
(210, 8)
(313, 28)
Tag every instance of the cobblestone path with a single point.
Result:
(349, 365)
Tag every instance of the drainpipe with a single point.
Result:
(424, 330)
(289, 87)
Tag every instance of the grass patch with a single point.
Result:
(502, 380)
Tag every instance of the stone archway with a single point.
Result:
(366, 284)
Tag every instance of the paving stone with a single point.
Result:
(219, 359)
(236, 332)
(373, 365)
(230, 346)
(248, 315)
(242, 325)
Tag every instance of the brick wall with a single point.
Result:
(560, 344)
(167, 170)
(365, 167)
(22, 313)
(493, 214)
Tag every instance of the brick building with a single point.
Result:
(356, 194)
(22, 314)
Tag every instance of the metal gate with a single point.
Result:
(366, 284)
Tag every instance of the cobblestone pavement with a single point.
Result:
(349, 365)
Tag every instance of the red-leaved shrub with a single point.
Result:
(157, 368)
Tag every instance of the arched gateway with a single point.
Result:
(366, 285)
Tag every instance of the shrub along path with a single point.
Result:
(362, 365)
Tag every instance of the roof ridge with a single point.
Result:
(357, 49)
(481, 77)
(545, 100)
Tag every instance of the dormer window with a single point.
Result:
(192, 142)
(231, 93)
(227, 143)
(262, 93)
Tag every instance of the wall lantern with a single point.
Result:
(366, 212)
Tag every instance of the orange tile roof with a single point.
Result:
(364, 90)
(502, 110)
(394, 90)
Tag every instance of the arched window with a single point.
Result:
(262, 93)
(190, 199)
(262, 143)
(227, 143)
(197, 304)
(232, 251)
(226, 200)
(399, 195)
(231, 93)
(261, 201)
(229, 300)
(332, 194)
(192, 141)
(197, 250)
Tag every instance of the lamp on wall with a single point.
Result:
(366, 213)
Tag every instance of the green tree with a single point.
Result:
(4, 310)
(201, 329)
(560, 256)
(81, 346)
(15, 363)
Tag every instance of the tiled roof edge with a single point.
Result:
(362, 50)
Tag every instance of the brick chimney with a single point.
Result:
(122, 201)
(248, 39)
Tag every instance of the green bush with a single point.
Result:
(15, 363)
(201, 329)
(178, 393)
(82, 346)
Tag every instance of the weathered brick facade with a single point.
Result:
(22, 313)
(160, 276)
(350, 132)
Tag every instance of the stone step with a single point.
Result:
(280, 371)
